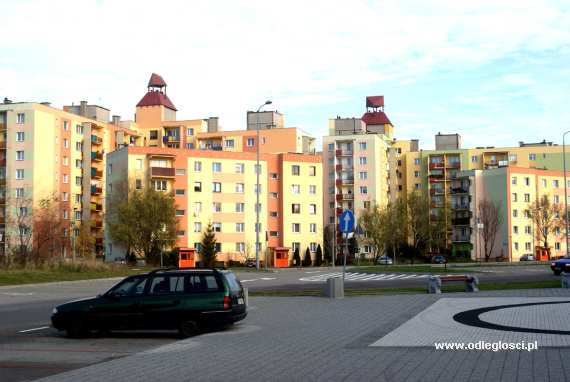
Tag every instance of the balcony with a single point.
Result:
(97, 207)
(460, 206)
(99, 241)
(343, 153)
(461, 221)
(97, 224)
(347, 196)
(96, 190)
(162, 172)
(170, 139)
(339, 211)
(453, 164)
(435, 191)
(96, 174)
(347, 181)
(338, 197)
(459, 190)
(97, 156)
(96, 140)
(436, 165)
(461, 238)
(338, 167)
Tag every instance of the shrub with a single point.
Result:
(307, 260)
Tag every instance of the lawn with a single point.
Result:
(422, 268)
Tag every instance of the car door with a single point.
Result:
(204, 293)
(162, 303)
(120, 308)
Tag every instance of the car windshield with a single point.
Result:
(129, 286)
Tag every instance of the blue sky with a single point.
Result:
(495, 72)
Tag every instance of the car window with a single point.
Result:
(202, 283)
(130, 287)
(233, 282)
(160, 285)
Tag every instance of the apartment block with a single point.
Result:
(219, 187)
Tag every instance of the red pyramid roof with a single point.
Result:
(156, 81)
(376, 118)
(155, 99)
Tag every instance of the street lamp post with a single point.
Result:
(565, 187)
(257, 171)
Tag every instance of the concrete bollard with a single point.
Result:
(434, 285)
(565, 279)
(334, 287)
(246, 297)
(472, 285)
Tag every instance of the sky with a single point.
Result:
(496, 72)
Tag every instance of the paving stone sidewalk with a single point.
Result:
(316, 339)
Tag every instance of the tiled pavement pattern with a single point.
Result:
(351, 276)
(435, 324)
(316, 339)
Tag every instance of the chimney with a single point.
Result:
(116, 120)
(213, 125)
(83, 109)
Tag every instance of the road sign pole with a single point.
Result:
(345, 249)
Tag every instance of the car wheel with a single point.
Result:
(188, 328)
(77, 330)
(557, 273)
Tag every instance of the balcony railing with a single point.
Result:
(97, 224)
(453, 165)
(95, 139)
(435, 165)
(343, 153)
(96, 173)
(347, 196)
(459, 190)
(347, 180)
(460, 238)
(461, 221)
(162, 172)
(96, 190)
(339, 197)
(460, 206)
(96, 207)
(338, 167)
(97, 156)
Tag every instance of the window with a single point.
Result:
(418, 186)
(153, 134)
(312, 209)
(555, 183)
(138, 184)
(313, 228)
(189, 131)
(515, 213)
(19, 155)
(239, 188)
(516, 246)
(197, 227)
(180, 212)
(544, 183)
(363, 190)
(250, 142)
(229, 143)
(159, 185)
(240, 227)
(66, 214)
(362, 145)
(20, 136)
(65, 161)
(515, 229)
(313, 247)
(110, 171)
(23, 211)
(514, 180)
(474, 158)
(240, 247)
(275, 195)
(531, 156)
(312, 170)
(527, 230)
(274, 214)
(65, 178)
(514, 197)
(180, 233)
(274, 233)
(527, 214)
(362, 160)
(296, 188)
(217, 227)
(556, 199)
(240, 207)
(296, 227)
(239, 168)
(19, 193)
(180, 191)
(366, 205)
(79, 146)
(364, 175)
(296, 246)
(180, 172)
(79, 129)
(331, 220)
(527, 197)
(197, 166)
(257, 188)
(216, 167)
(557, 246)
(65, 125)
(295, 170)
(78, 163)
(295, 208)
(19, 174)
(417, 161)
(257, 169)
(21, 118)
(416, 174)
(216, 207)
(331, 146)
(258, 207)
(527, 181)
(312, 189)
(197, 186)
(217, 187)
(274, 175)
(197, 208)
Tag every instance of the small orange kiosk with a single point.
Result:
(187, 258)
(281, 257)
(541, 254)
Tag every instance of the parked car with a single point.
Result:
(561, 265)
(183, 299)
(250, 263)
(439, 259)
(384, 260)
(526, 258)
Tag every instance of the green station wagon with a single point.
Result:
(182, 299)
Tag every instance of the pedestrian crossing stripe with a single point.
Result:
(355, 276)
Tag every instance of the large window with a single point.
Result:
(197, 166)
(19, 155)
(312, 209)
(20, 136)
(312, 170)
(296, 227)
(295, 208)
(239, 188)
(21, 118)
(217, 227)
(312, 189)
(240, 207)
(197, 186)
(295, 170)
(216, 207)
(159, 185)
(296, 188)
(216, 187)
(216, 167)
(240, 227)
(239, 168)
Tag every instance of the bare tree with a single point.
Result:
(491, 219)
(546, 217)
(328, 241)
(19, 219)
(48, 239)
(420, 231)
(372, 220)
(85, 241)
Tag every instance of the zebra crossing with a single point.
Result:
(355, 276)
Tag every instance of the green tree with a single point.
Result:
(372, 219)
(319, 256)
(144, 221)
(296, 257)
(208, 251)
(307, 260)
(85, 241)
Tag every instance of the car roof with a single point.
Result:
(186, 270)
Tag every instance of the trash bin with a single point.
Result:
(334, 287)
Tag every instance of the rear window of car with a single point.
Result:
(233, 282)
(202, 283)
